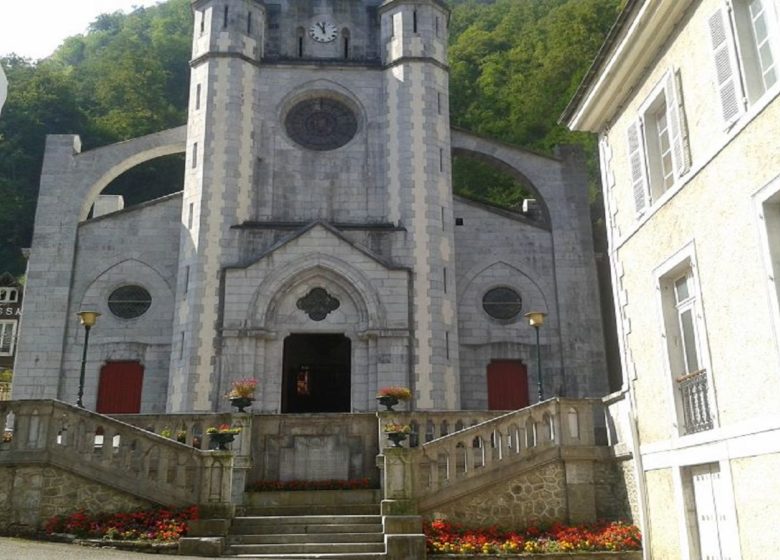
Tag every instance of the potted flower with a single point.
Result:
(390, 396)
(242, 392)
(397, 432)
(222, 434)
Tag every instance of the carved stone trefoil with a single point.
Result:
(317, 304)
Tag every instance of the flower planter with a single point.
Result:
(219, 441)
(241, 402)
(387, 401)
(397, 438)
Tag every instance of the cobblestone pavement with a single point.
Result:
(20, 549)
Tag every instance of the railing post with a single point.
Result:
(398, 482)
(216, 485)
(242, 458)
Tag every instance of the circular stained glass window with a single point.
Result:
(502, 303)
(129, 302)
(321, 124)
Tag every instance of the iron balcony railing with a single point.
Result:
(694, 398)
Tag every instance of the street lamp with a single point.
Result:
(536, 320)
(88, 319)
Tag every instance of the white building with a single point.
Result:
(683, 96)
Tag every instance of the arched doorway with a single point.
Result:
(317, 373)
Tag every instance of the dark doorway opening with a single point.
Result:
(507, 385)
(317, 372)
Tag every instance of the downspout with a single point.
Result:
(411, 353)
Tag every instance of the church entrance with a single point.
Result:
(317, 371)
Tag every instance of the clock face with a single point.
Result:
(323, 31)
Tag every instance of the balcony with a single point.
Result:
(694, 402)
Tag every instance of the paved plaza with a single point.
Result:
(20, 549)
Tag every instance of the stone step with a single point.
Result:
(303, 528)
(266, 520)
(305, 548)
(292, 510)
(312, 498)
(334, 556)
(306, 538)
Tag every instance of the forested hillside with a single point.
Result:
(514, 66)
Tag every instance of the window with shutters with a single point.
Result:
(744, 38)
(658, 151)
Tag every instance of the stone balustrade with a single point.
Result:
(190, 429)
(459, 462)
(114, 453)
(430, 425)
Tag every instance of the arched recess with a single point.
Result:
(270, 292)
(130, 271)
(471, 286)
(114, 160)
(509, 169)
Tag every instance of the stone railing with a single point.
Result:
(190, 429)
(114, 453)
(428, 426)
(454, 463)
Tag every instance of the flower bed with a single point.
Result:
(443, 537)
(292, 485)
(160, 525)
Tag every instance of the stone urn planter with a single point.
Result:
(397, 438)
(220, 440)
(241, 403)
(387, 401)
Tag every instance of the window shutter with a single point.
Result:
(637, 162)
(726, 69)
(675, 109)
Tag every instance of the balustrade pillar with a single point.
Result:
(398, 481)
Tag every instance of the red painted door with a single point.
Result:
(119, 390)
(507, 385)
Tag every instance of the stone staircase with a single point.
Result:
(343, 524)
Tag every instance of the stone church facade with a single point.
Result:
(317, 245)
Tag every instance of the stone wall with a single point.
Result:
(616, 491)
(538, 496)
(29, 495)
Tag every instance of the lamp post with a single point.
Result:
(536, 320)
(88, 319)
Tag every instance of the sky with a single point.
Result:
(35, 28)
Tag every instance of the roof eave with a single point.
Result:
(630, 48)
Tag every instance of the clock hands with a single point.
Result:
(321, 25)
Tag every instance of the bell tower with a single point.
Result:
(227, 44)
(414, 37)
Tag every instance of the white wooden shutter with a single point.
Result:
(678, 130)
(636, 159)
(726, 68)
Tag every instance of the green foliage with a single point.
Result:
(475, 179)
(515, 66)
(126, 77)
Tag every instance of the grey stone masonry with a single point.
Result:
(318, 160)
(70, 182)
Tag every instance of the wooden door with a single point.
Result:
(119, 389)
(507, 382)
